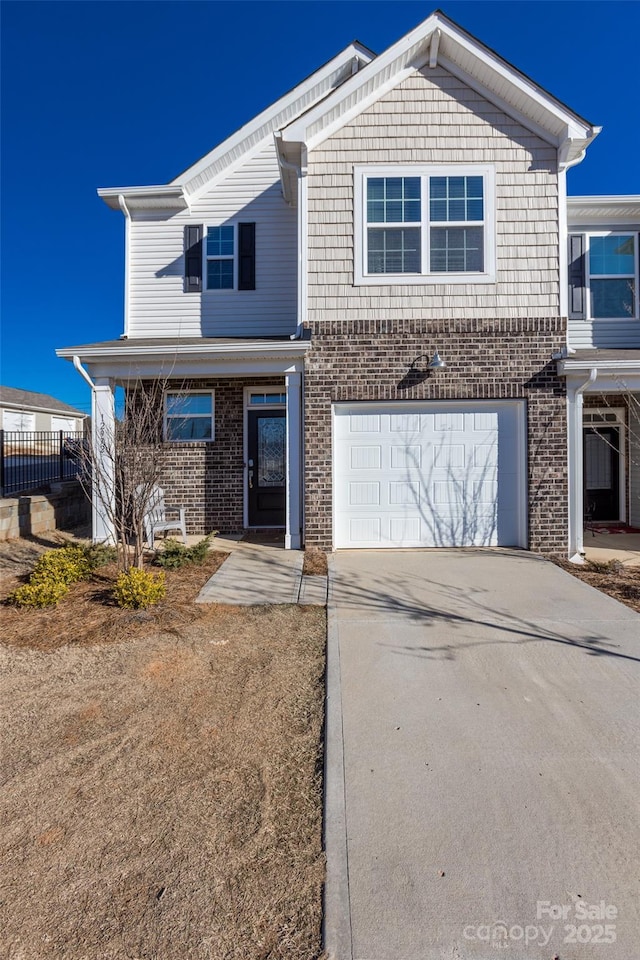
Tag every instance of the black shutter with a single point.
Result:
(577, 277)
(246, 256)
(193, 259)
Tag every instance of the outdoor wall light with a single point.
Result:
(436, 362)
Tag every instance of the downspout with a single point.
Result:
(127, 242)
(83, 373)
(578, 459)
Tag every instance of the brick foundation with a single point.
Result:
(486, 359)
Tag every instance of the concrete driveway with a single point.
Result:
(482, 761)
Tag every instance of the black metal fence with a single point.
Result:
(32, 460)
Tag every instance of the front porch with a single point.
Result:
(603, 422)
(231, 426)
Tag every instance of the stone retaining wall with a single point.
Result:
(65, 508)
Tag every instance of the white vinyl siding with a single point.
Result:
(435, 118)
(158, 307)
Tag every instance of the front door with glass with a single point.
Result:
(602, 474)
(266, 467)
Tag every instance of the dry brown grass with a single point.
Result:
(162, 791)
(621, 583)
(315, 562)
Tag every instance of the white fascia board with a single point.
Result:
(30, 408)
(269, 114)
(167, 196)
(509, 109)
(605, 368)
(191, 367)
(596, 199)
(571, 124)
(174, 352)
(297, 131)
(311, 143)
(518, 80)
(583, 210)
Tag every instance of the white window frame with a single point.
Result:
(211, 416)
(206, 259)
(363, 172)
(612, 276)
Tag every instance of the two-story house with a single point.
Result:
(369, 299)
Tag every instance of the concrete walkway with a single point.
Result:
(623, 547)
(482, 764)
(261, 573)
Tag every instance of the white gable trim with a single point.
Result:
(261, 128)
(482, 70)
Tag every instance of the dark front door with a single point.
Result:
(267, 454)
(602, 474)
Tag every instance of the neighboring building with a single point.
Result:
(25, 412)
(302, 275)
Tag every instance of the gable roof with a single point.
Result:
(258, 131)
(348, 84)
(439, 40)
(13, 397)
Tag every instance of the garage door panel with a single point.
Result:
(439, 474)
(364, 492)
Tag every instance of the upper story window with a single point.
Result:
(226, 259)
(603, 275)
(424, 224)
(220, 252)
(189, 416)
(612, 276)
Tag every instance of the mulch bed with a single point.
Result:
(88, 615)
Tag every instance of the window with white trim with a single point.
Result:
(424, 224)
(612, 276)
(189, 416)
(220, 250)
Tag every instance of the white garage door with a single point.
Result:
(18, 421)
(66, 424)
(434, 474)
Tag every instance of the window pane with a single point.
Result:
(220, 242)
(268, 398)
(457, 250)
(612, 299)
(393, 200)
(196, 428)
(456, 198)
(394, 251)
(220, 274)
(612, 255)
(188, 403)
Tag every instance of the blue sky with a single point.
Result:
(123, 93)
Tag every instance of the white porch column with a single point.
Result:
(103, 441)
(575, 473)
(293, 508)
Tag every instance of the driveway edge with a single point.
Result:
(336, 932)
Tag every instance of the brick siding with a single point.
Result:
(486, 359)
(208, 478)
